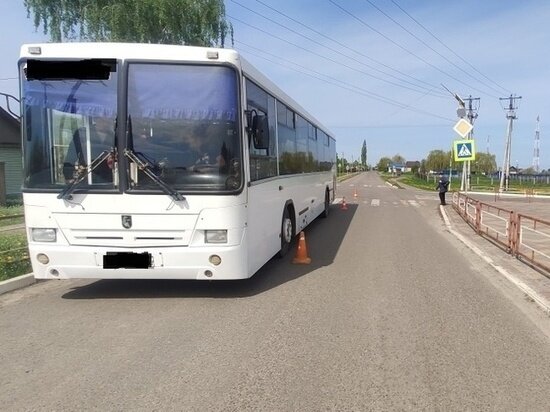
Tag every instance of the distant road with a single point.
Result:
(392, 314)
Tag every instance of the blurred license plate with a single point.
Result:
(127, 260)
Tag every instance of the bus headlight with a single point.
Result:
(215, 236)
(39, 234)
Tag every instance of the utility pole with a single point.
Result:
(461, 113)
(511, 116)
(471, 114)
(536, 154)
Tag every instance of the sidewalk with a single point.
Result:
(532, 282)
(534, 206)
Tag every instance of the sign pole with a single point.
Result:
(465, 152)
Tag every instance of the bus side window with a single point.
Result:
(263, 156)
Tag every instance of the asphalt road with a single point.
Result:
(392, 314)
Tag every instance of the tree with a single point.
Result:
(422, 170)
(364, 154)
(384, 163)
(193, 22)
(437, 160)
(485, 163)
(398, 159)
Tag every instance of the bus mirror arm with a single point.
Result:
(250, 115)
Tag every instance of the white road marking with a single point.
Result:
(422, 197)
(375, 202)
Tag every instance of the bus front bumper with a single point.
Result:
(86, 262)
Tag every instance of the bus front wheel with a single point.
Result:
(287, 232)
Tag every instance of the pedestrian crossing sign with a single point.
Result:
(464, 150)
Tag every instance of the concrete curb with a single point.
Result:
(538, 299)
(16, 283)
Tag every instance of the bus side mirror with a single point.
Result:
(260, 132)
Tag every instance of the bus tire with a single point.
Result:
(287, 232)
(325, 212)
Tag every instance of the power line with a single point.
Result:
(335, 51)
(341, 84)
(328, 58)
(430, 47)
(448, 48)
(404, 48)
(346, 47)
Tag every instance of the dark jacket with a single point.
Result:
(443, 185)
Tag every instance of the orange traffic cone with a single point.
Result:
(343, 206)
(355, 193)
(301, 252)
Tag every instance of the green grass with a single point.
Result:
(11, 211)
(417, 182)
(14, 255)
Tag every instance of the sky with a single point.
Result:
(385, 71)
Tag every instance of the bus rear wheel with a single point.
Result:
(287, 233)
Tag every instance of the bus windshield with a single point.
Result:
(69, 110)
(181, 124)
(182, 121)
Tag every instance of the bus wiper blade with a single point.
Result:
(148, 170)
(66, 193)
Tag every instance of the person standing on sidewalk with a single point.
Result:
(443, 187)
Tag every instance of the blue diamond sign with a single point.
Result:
(464, 150)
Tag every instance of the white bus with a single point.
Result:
(163, 162)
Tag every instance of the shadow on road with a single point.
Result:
(323, 238)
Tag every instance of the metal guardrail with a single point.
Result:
(525, 237)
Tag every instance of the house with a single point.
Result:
(396, 168)
(411, 164)
(10, 151)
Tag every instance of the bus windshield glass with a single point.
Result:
(182, 121)
(181, 129)
(69, 110)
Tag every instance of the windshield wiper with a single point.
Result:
(82, 172)
(146, 167)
